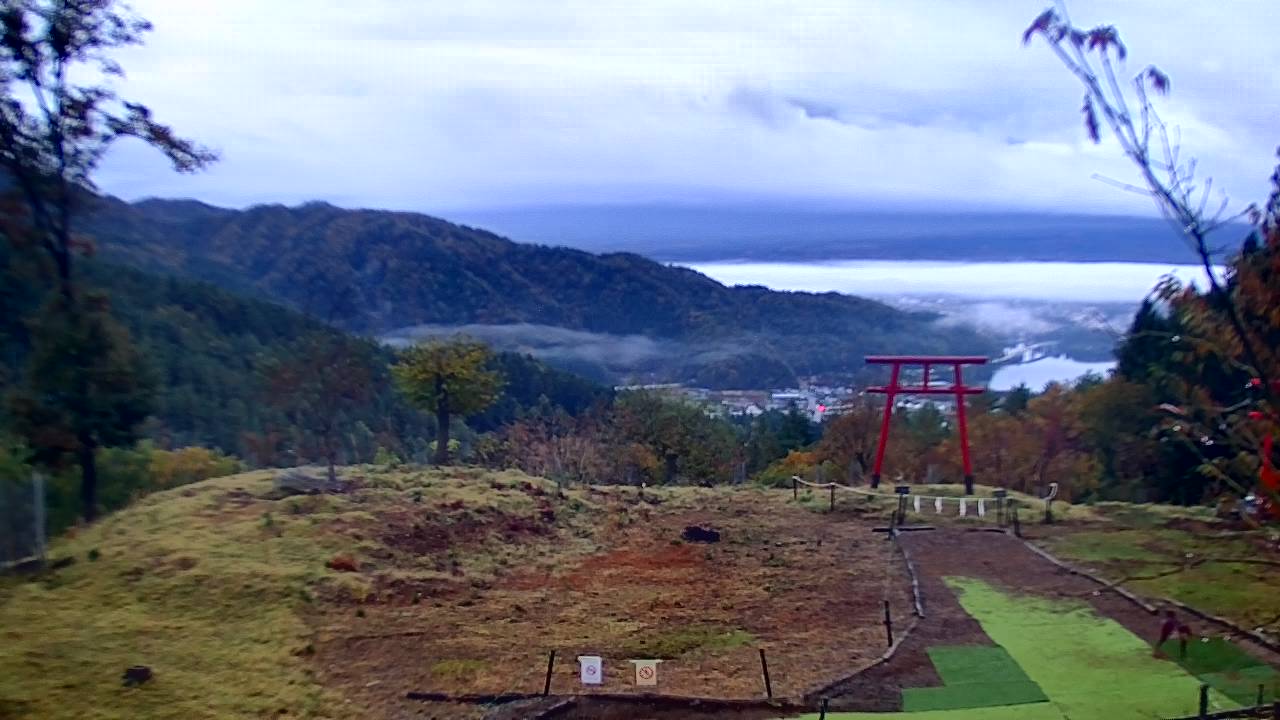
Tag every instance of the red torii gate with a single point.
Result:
(895, 388)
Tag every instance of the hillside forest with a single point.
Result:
(222, 392)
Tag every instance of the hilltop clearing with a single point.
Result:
(247, 605)
(459, 582)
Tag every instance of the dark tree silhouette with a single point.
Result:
(321, 386)
(54, 131)
(1096, 57)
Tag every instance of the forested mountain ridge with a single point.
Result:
(403, 269)
(208, 352)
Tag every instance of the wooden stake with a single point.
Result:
(1204, 701)
(888, 623)
(823, 714)
(833, 498)
(551, 663)
(764, 666)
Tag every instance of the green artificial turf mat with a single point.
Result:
(971, 695)
(1210, 655)
(1090, 667)
(974, 663)
(1242, 685)
(973, 676)
(1039, 711)
(1226, 668)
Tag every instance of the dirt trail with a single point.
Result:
(1003, 561)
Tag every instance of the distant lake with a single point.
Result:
(1012, 301)
(1038, 373)
(1105, 282)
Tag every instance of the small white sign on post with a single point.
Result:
(937, 505)
(646, 672)
(592, 669)
(964, 507)
(982, 508)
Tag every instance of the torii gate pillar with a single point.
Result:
(896, 388)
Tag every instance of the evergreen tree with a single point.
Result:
(85, 389)
(83, 376)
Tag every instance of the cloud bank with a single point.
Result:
(498, 103)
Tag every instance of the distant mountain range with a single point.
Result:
(772, 233)
(378, 272)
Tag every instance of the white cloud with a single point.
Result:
(1103, 282)
(437, 106)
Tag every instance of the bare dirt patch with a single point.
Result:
(806, 587)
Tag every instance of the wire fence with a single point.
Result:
(23, 526)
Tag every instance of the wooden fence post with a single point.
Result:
(795, 488)
(764, 666)
(822, 715)
(888, 624)
(1204, 701)
(832, 506)
(551, 663)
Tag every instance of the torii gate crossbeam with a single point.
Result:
(896, 388)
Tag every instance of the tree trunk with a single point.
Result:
(88, 479)
(669, 472)
(442, 423)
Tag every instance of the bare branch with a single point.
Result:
(1122, 185)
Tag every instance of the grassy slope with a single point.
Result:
(206, 596)
(201, 584)
(212, 586)
(225, 592)
(1142, 541)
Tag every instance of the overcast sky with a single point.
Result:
(444, 106)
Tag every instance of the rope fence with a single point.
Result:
(1005, 507)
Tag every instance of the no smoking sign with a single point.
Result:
(592, 669)
(646, 672)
